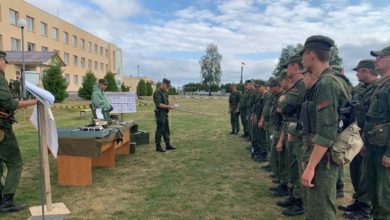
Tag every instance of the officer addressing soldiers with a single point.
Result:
(9, 149)
(234, 99)
(376, 134)
(161, 101)
(368, 77)
(320, 120)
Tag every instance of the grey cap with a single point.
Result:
(384, 52)
(103, 81)
(368, 64)
(317, 42)
(293, 59)
(167, 81)
(3, 56)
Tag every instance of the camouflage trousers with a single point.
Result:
(244, 123)
(279, 159)
(234, 121)
(162, 129)
(359, 178)
(378, 180)
(294, 151)
(11, 163)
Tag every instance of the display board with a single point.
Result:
(123, 102)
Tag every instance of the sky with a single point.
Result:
(166, 38)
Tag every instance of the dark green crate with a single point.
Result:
(140, 137)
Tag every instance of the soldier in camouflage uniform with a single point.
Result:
(376, 134)
(9, 149)
(368, 76)
(252, 93)
(290, 108)
(278, 158)
(161, 101)
(242, 106)
(320, 125)
(259, 152)
(234, 112)
(265, 124)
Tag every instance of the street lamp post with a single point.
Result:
(22, 23)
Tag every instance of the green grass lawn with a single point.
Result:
(209, 176)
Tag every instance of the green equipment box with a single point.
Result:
(140, 137)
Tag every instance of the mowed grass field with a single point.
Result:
(209, 176)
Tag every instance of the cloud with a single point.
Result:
(237, 27)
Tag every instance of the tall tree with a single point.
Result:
(111, 87)
(85, 91)
(141, 88)
(210, 66)
(288, 51)
(335, 59)
(54, 82)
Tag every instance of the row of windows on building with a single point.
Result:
(75, 79)
(14, 16)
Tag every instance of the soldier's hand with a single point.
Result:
(386, 161)
(291, 137)
(279, 147)
(307, 178)
(278, 110)
(363, 152)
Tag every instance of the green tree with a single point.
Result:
(149, 88)
(335, 59)
(210, 65)
(85, 91)
(141, 88)
(286, 52)
(124, 88)
(172, 91)
(111, 87)
(54, 82)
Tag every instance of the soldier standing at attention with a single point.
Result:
(160, 97)
(264, 123)
(368, 76)
(377, 136)
(242, 108)
(290, 108)
(320, 122)
(252, 93)
(276, 126)
(234, 99)
(9, 149)
(259, 149)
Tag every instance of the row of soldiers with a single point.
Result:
(294, 119)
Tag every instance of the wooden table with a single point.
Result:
(77, 170)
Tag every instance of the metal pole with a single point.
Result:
(41, 186)
(23, 68)
(242, 70)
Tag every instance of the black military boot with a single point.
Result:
(340, 193)
(237, 131)
(289, 201)
(170, 147)
(358, 215)
(282, 190)
(296, 209)
(232, 132)
(355, 206)
(159, 148)
(8, 205)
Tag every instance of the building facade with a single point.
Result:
(132, 82)
(80, 50)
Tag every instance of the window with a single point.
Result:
(113, 57)
(96, 65)
(15, 44)
(89, 47)
(106, 67)
(1, 41)
(67, 78)
(30, 23)
(101, 67)
(101, 51)
(75, 79)
(90, 64)
(66, 58)
(43, 29)
(75, 60)
(66, 38)
(54, 33)
(13, 17)
(30, 46)
(106, 53)
(44, 49)
(82, 44)
(82, 62)
(74, 41)
(56, 51)
(95, 49)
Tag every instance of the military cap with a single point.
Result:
(293, 59)
(166, 81)
(384, 52)
(3, 55)
(318, 42)
(103, 81)
(260, 83)
(272, 82)
(248, 81)
(368, 64)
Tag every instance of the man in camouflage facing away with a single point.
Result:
(234, 100)
(161, 101)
